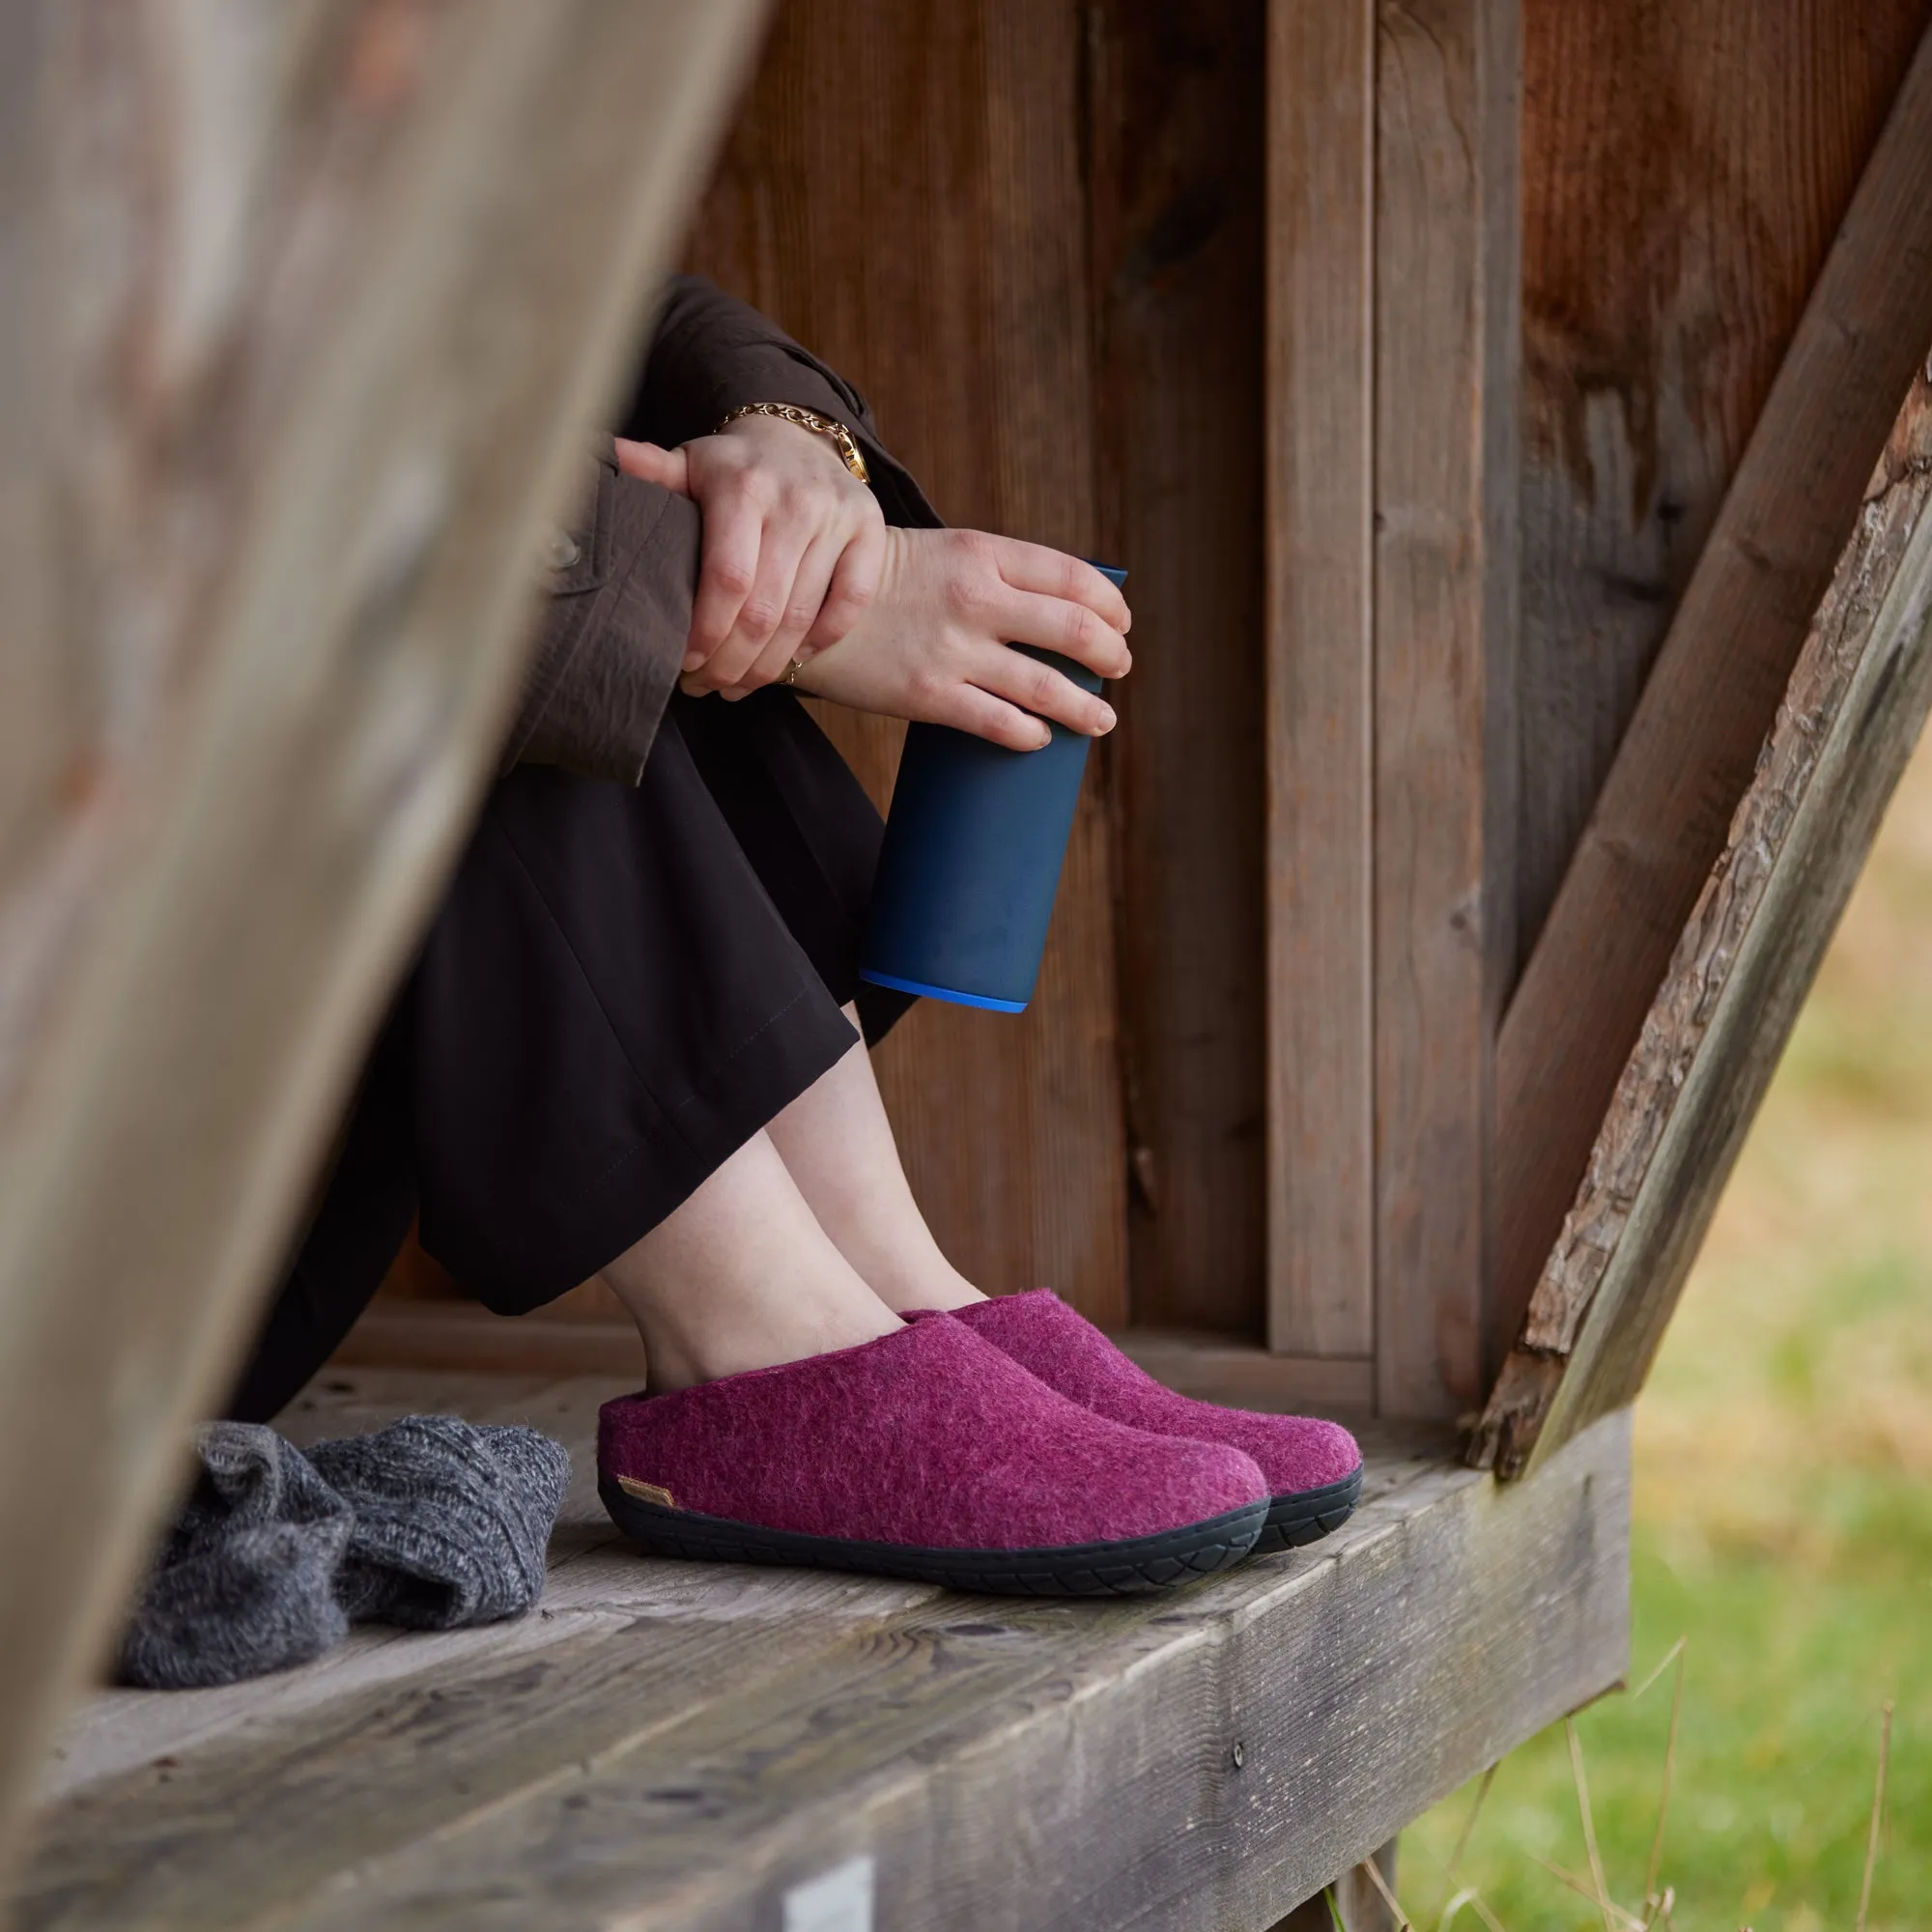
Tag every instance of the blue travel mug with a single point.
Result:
(975, 843)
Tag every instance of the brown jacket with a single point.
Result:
(614, 626)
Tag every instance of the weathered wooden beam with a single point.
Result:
(1687, 757)
(305, 310)
(1446, 353)
(1855, 706)
(1208, 1758)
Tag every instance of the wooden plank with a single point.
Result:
(596, 1583)
(1320, 693)
(1685, 169)
(428, 1335)
(1212, 1371)
(973, 347)
(307, 322)
(1856, 705)
(1686, 758)
(1444, 608)
(1176, 99)
(1014, 1764)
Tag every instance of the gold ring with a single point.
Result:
(792, 670)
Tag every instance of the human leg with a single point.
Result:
(838, 1145)
(741, 1276)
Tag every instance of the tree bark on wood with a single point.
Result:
(1856, 705)
(304, 311)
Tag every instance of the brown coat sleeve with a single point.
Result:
(711, 352)
(613, 632)
(611, 635)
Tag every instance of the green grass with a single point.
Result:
(1783, 1506)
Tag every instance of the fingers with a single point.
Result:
(968, 708)
(1050, 623)
(1034, 687)
(733, 537)
(1052, 573)
(670, 469)
(855, 582)
(808, 595)
(780, 552)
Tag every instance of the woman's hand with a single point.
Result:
(793, 546)
(933, 642)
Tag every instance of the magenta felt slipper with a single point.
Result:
(1314, 1469)
(929, 1454)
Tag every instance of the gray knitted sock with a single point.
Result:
(244, 1582)
(451, 1520)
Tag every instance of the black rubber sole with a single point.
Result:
(1308, 1514)
(1076, 1570)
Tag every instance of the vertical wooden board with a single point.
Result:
(904, 194)
(1175, 168)
(1444, 592)
(1319, 684)
(1685, 167)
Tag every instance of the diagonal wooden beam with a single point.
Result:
(1856, 704)
(306, 311)
(1660, 821)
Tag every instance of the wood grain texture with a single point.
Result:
(596, 1583)
(1856, 704)
(1004, 1763)
(1660, 820)
(1214, 1371)
(1444, 606)
(306, 311)
(904, 193)
(458, 1334)
(1685, 165)
(1320, 685)
(1175, 171)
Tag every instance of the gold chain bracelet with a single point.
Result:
(841, 437)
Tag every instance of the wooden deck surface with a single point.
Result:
(679, 1744)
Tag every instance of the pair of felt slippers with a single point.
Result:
(1005, 1447)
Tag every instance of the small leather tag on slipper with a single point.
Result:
(647, 1492)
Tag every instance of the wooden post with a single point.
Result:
(1392, 573)
(1319, 684)
(305, 310)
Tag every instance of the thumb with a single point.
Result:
(670, 469)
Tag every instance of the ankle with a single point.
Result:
(685, 1346)
(940, 1287)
